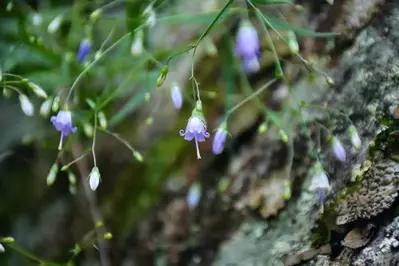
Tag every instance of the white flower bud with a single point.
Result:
(56, 104)
(94, 178)
(52, 175)
(45, 108)
(7, 93)
(102, 120)
(138, 156)
(37, 90)
(355, 139)
(88, 130)
(262, 128)
(54, 24)
(26, 105)
(72, 178)
(37, 19)
(292, 42)
(137, 45)
(2, 249)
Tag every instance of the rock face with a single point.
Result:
(367, 82)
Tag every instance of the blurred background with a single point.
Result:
(168, 207)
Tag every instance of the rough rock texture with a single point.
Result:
(367, 79)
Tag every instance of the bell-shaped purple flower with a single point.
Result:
(196, 128)
(63, 123)
(175, 94)
(84, 50)
(338, 149)
(219, 139)
(248, 46)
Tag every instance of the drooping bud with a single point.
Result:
(45, 108)
(248, 46)
(7, 240)
(330, 81)
(194, 195)
(338, 149)
(263, 128)
(84, 50)
(147, 97)
(219, 139)
(292, 43)
(107, 236)
(137, 45)
(52, 175)
(37, 19)
(2, 249)
(283, 136)
(320, 183)
(330, 2)
(26, 105)
(355, 139)
(102, 120)
(9, 6)
(88, 130)
(162, 75)
(138, 156)
(95, 15)
(72, 178)
(149, 121)
(94, 178)
(56, 104)
(176, 95)
(54, 24)
(7, 93)
(151, 16)
(37, 90)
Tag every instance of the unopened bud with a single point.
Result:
(292, 43)
(355, 139)
(99, 224)
(7, 93)
(37, 90)
(7, 240)
(107, 236)
(97, 55)
(95, 15)
(54, 24)
(88, 130)
(102, 120)
(56, 104)
(72, 189)
(52, 175)
(138, 156)
(147, 97)
(330, 2)
(149, 121)
(330, 81)
(45, 108)
(9, 6)
(72, 178)
(26, 105)
(137, 44)
(94, 178)
(283, 136)
(210, 47)
(162, 76)
(2, 249)
(263, 128)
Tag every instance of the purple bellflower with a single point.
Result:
(338, 149)
(219, 139)
(63, 123)
(196, 128)
(84, 50)
(194, 195)
(175, 94)
(248, 46)
(320, 183)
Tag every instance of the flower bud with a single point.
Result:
(147, 97)
(292, 43)
(45, 108)
(176, 95)
(355, 139)
(9, 6)
(162, 75)
(52, 175)
(219, 139)
(338, 149)
(26, 105)
(283, 136)
(56, 104)
(88, 130)
(7, 240)
(263, 128)
(149, 121)
(107, 236)
(54, 24)
(72, 178)
(37, 19)
(94, 178)
(137, 45)
(2, 249)
(95, 15)
(194, 195)
(138, 156)
(7, 93)
(72, 189)
(37, 90)
(151, 16)
(330, 2)
(210, 47)
(330, 81)
(99, 224)
(102, 120)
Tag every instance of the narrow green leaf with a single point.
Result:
(199, 18)
(272, 2)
